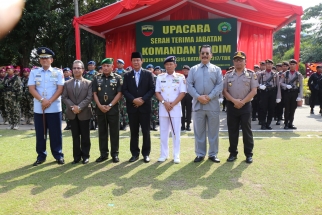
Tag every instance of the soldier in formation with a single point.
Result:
(27, 103)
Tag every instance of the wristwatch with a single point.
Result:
(162, 101)
(110, 105)
(79, 108)
(41, 100)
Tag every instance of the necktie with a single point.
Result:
(77, 89)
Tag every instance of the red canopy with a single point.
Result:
(257, 20)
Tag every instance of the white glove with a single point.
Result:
(298, 99)
(278, 100)
(262, 87)
(220, 100)
(288, 86)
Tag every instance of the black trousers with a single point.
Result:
(280, 107)
(136, 120)
(236, 117)
(255, 106)
(108, 123)
(290, 106)
(81, 138)
(186, 106)
(267, 105)
(316, 95)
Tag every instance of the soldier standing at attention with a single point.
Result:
(170, 90)
(46, 85)
(240, 86)
(12, 97)
(255, 101)
(269, 85)
(314, 83)
(154, 101)
(186, 104)
(279, 106)
(107, 89)
(67, 76)
(89, 75)
(3, 111)
(124, 118)
(27, 107)
(292, 83)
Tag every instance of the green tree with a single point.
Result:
(49, 23)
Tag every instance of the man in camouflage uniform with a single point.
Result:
(3, 111)
(124, 118)
(12, 97)
(67, 76)
(27, 103)
(89, 75)
(154, 102)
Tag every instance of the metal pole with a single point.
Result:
(77, 33)
(76, 8)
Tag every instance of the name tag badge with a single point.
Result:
(38, 75)
(113, 81)
(163, 81)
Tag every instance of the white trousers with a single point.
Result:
(165, 129)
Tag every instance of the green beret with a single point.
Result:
(107, 61)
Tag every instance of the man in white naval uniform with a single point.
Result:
(170, 90)
(205, 83)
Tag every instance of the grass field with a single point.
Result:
(285, 178)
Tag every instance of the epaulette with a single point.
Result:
(117, 75)
(99, 74)
(161, 74)
(229, 71)
(249, 70)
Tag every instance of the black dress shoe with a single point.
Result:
(75, 161)
(268, 127)
(291, 126)
(182, 128)
(134, 158)
(198, 159)
(188, 128)
(115, 159)
(312, 112)
(214, 159)
(253, 119)
(146, 159)
(286, 127)
(231, 158)
(124, 128)
(85, 161)
(263, 127)
(249, 160)
(61, 161)
(38, 162)
(278, 122)
(101, 159)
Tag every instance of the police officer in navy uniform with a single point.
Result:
(292, 83)
(240, 86)
(314, 83)
(46, 85)
(269, 85)
(186, 104)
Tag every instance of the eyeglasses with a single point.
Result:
(77, 68)
(205, 53)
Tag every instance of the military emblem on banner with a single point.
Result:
(147, 30)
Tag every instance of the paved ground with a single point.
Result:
(304, 121)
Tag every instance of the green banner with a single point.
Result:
(183, 39)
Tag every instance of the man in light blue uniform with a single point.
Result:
(205, 83)
(46, 86)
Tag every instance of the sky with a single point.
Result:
(304, 3)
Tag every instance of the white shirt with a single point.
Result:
(170, 86)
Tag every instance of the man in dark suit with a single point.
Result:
(77, 96)
(138, 89)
